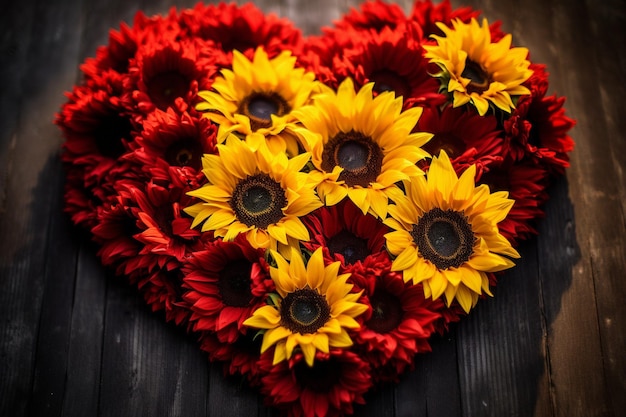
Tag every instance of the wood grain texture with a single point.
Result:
(76, 341)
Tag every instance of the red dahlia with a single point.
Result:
(244, 28)
(238, 358)
(171, 146)
(329, 388)
(162, 292)
(538, 128)
(467, 138)
(351, 237)
(400, 324)
(322, 53)
(165, 231)
(393, 60)
(526, 183)
(116, 225)
(97, 130)
(123, 45)
(225, 283)
(427, 14)
(80, 202)
(372, 16)
(165, 71)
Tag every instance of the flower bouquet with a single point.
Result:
(313, 208)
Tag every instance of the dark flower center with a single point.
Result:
(322, 377)
(120, 58)
(534, 136)
(352, 248)
(259, 107)
(304, 311)
(386, 80)
(127, 225)
(234, 283)
(109, 133)
(496, 179)
(386, 312)
(479, 78)
(452, 144)
(445, 238)
(258, 201)
(174, 281)
(166, 87)
(163, 216)
(360, 157)
(184, 152)
(241, 39)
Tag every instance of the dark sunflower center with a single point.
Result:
(386, 312)
(322, 377)
(386, 80)
(259, 107)
(166, 87)
(479, 78)
(448, 142)
(258, 201)
(184, 152)
(304, 311)
(360, 157)
(352, 248)
(234, 283)
(445, 238)
(109, 133)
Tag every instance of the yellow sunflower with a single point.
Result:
(314, 308)
(476, 70)
(361, 146)
(256, 193)
(446, 234)
(256, 98)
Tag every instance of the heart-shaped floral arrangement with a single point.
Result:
(313, 209)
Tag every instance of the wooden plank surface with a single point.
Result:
(75, 341)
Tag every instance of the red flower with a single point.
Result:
(114, 231)
(427, 14)
(318, 55)
(97, 130)
(393, 60)
(165, 231)
(226, 282)
(400, 324)
(79, 203)
(328, 389)
(162, 291)
(349, 236)
(240, 357)
(466, 137)
(371, 44)
(244, 28)
(372, 16)
(538, 128)
(123, 45)
(164, 71)
(526, 183)
(171, 146)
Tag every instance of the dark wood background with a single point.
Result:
(74, 341)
